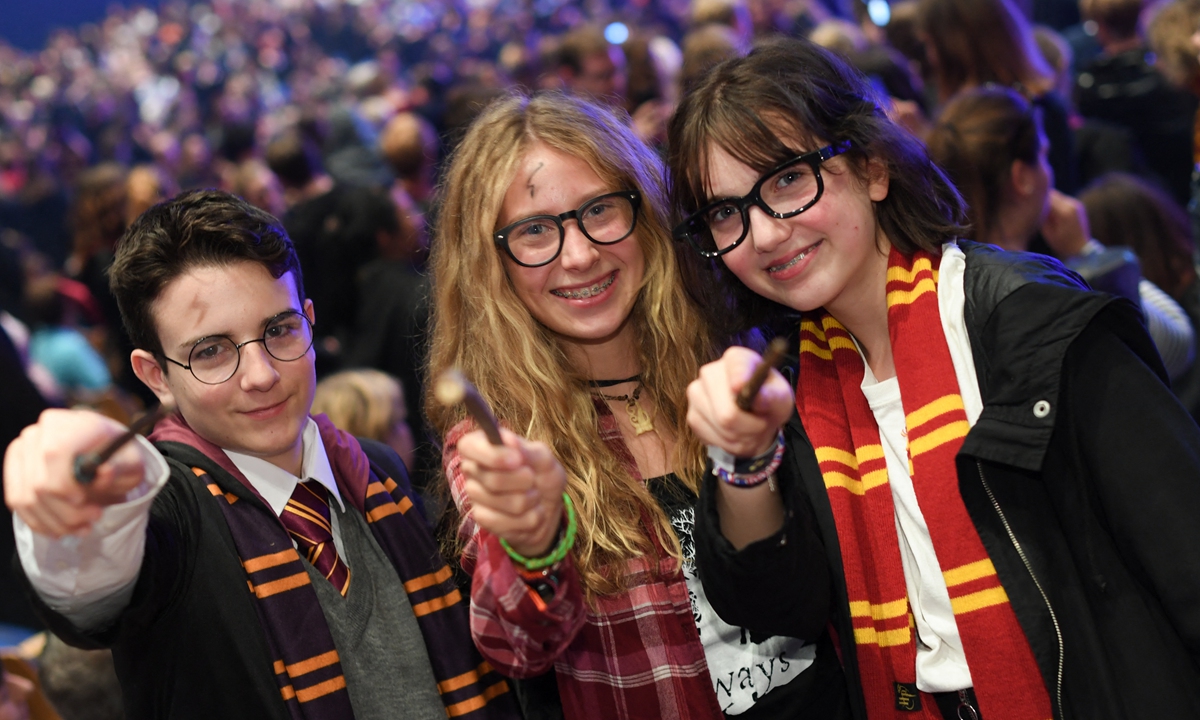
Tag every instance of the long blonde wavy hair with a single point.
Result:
(480, 326)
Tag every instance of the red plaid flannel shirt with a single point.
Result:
(636, 654)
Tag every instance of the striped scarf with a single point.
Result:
(307, 666)
(843, 431)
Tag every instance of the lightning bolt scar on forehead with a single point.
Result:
(529, 184)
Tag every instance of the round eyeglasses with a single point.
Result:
(216, 358)
(784, 191)
(537, 240)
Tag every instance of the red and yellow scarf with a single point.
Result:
(843, 431)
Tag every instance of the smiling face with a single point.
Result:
(262, 409)
(833, 255)
(587, 293)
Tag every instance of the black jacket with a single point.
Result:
(1082, 477)
(190, 644)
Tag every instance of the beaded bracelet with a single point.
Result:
(558, 553)
(760, 469)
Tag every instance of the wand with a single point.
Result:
(771, 358)
(87, 464)
(453, 387)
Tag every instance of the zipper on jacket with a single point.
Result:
(1012, 537)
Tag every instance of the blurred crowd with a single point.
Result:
(335, 115)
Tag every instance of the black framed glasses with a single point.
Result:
(784, 191)
(216, 358)
(605, 220)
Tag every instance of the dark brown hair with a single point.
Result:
(195, 229)
(975, 42)
(1125, 210)
(978, 137)
(795, 89)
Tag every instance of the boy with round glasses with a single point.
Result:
(252, 560)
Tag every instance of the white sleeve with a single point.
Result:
(89, 579)
(1169, 327)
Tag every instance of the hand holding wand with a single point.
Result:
(87, 464)
(453, 387)
(770, 359)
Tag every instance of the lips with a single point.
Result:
(588, 291)
(796, 260)
(266, 411)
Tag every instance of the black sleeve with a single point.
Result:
(1141, 451)
(779, 585)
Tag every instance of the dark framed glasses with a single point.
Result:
(605, 220)
(784, 191)
(216, 358)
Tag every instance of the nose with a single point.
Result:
(257, 370)
(578, 253)
(766, 232)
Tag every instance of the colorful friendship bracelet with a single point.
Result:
(754, 471)
(558, 553)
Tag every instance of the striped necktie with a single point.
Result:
(306, 517)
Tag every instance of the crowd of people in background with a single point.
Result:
(335, 116)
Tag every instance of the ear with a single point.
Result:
(308, 311)
(147, 369)
(1023, 175)
(878, 179)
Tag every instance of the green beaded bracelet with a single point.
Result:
(558, 553)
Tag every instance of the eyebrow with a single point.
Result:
(187, 344)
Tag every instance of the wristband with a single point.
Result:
(560, 550)
(753, 471)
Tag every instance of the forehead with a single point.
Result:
(233, 298)
(549, 182)
(758, 146)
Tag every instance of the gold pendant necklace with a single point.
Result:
(638, 418)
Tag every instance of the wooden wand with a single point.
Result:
(453, 387)
(770, 359)
(87, 464)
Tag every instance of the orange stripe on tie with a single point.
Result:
(375, 488)
(279, 667)
(275, 587)
(269, 561)
(198, 472)
(471, 704)
(321, 689)
(461, 681)
(316, 662)
(429, 580)
(288, 692)
(390, 484)
(431, 606)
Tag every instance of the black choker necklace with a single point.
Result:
(610, 383)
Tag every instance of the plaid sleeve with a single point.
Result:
(517, 630)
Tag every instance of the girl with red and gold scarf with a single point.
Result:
(1005, 486)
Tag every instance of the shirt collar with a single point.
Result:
(276, 485)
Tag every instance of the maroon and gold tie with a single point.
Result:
(306, 517)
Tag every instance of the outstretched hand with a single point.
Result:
(39, 473)
(515, 490)
(713, 413)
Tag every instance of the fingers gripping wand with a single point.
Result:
(452, 387)
(724, 463)
(87, 464)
